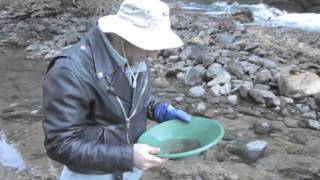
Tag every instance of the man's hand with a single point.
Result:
(165, 111)
(143, 157)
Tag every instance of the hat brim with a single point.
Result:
(147, 39)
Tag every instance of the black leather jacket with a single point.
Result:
(92, 116)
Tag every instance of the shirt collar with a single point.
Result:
(120, 60)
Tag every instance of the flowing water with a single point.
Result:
(263, 14)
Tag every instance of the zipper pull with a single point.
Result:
(134, 83)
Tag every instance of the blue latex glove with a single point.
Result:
(166, 111)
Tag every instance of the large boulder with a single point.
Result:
(298, 84)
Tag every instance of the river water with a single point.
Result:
(263, 14)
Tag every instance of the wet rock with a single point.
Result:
(262, 128)
(194, 75)
(235, 68)
(161, 83)
(233, 99)
(263, 76)
(264, 97)
(248, 152)
(297, 85)
(244, 16)
(197, 91)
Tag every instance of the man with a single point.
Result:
(97, 96)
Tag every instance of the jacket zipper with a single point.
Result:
(128, 119)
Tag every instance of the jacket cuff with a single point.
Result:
(127, 157)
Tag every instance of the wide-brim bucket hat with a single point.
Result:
(144, 23)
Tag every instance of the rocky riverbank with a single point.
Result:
(261, 83)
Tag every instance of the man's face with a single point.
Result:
(135, 53)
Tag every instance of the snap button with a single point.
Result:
(83, 47)
(99, 75)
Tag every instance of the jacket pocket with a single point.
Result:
(113, 134)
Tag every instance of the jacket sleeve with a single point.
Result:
(66, 109)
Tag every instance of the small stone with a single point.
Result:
(224, 38)
(185, 54)
(215, 90)
(194, 75)
(309, 123)
(179, 99)
(269, 64)
(197, 91)
(173, 58)
(248, 152)
(225, 89)
(235, 68)
(290, 122)
(161, 83)
(201, 108)
(261, 87)
(264, 97)
(262, 128)
(303, 108)
(263, 76)
(233, 100)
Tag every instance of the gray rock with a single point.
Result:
(194, 75)
(179, 99)
(310, 115)
(251, 46)
(219, 75)
(201, 108)
(264, 97)
(267, 63)
(233, 99)
(161, 83)
(180, 76)
(207, 61)
(262, 128)
(215, 90)
(303, 108)
(235, 68)
(197, 91)
(255, 60)
(261, 87)
(224, 38)
(290, 122)
(263, 76)
(199, 52)
(298, 85)
(225, 88)
(185, 54)
(309, 123)
(248, 152)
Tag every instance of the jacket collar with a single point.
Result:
(101, 57)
